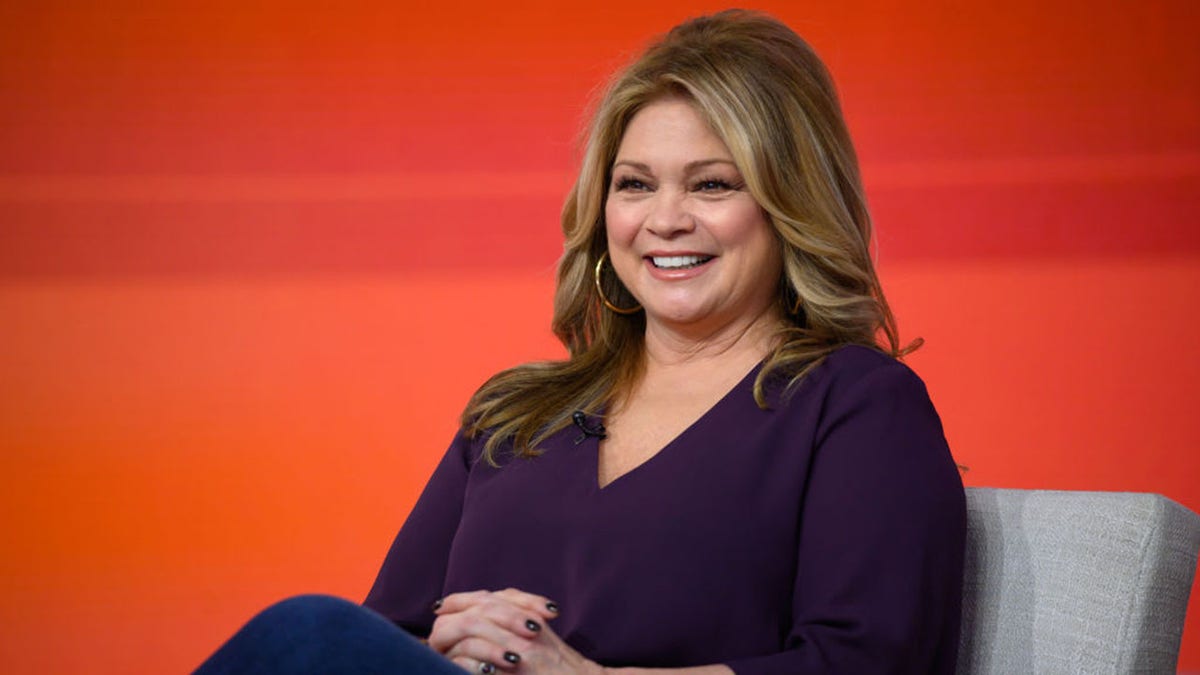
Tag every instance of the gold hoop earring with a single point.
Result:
(600, 290)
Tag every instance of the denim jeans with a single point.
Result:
(323, 634)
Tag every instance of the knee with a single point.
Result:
(312, 614)
(318, 634)
(309, 606)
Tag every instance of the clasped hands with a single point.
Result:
(486, 631)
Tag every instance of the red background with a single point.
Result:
(254, 260)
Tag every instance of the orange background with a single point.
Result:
(254, 260)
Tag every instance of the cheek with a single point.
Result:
(619, 224)
(747, 227)
(762, 245)
(772, 250)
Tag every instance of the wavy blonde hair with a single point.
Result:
(767, 95)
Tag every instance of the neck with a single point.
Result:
(736, 345)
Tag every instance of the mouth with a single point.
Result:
(678, 262)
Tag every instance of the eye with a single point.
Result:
(715, 185)
(631, 184)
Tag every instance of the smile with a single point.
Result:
(679, 262)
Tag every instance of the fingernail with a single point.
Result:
(437, 604)
(533, 625)
(552, 606)
(511, 657)
(487, 668)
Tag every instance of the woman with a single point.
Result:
(728, 473)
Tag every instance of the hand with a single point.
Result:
(504, 630)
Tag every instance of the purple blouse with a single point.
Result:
(822, 535)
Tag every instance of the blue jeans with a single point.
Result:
(323, 634)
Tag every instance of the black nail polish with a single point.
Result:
(487, 668)
(552, 606)
(512, 657)
(437, 604)
(533, 625)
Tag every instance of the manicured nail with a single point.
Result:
(512, 657)
(437, 604)
(533, 625)
(552, 606)
(487, 668)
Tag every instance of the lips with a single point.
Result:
(678, 262)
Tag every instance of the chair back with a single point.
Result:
(1075, 582)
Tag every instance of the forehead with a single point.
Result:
(668, 130)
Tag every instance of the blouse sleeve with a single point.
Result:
(879, 569)
(414, 570)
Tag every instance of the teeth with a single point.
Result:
(674, 262)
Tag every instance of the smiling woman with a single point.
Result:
(729, 472)
(685, 235)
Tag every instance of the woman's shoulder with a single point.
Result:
(852, 366)
(853, 378)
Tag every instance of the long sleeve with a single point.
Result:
(879, 567)
(413, 573)
(821, 535)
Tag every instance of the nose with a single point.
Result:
(670, 215)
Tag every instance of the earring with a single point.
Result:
(600, 290)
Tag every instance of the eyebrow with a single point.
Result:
(688, 168)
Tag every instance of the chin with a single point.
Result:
(677, 315)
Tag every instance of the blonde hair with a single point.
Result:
(767, 95)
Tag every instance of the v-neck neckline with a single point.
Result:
(666, 448)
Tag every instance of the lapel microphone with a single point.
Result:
(580, 420)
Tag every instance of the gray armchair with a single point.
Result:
(1075, 582)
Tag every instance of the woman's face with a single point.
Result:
(684, 234)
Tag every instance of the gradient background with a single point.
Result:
(253, 260)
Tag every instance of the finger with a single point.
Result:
(482, 651)
(473, 666)
(501, 624)
(457, 602)
(543, 606)
(515, 618)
